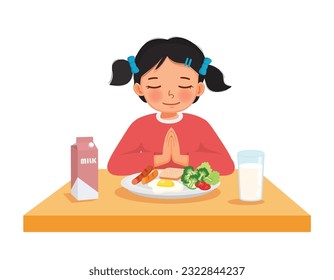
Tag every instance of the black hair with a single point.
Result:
(177, 49)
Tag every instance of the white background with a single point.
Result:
(55, 65)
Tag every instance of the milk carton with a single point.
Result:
(84, 169)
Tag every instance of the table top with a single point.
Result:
(117, 209)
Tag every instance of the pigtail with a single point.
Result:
(121, 73)
(214, 79)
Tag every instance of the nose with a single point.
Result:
(170, 94)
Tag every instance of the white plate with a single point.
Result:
(144, 190)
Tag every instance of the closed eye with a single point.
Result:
(153, 87)
(185, 86)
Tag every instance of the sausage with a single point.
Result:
(150, 177)
(143, 174)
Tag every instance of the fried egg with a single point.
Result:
(165, 186)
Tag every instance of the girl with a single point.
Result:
(169, 76)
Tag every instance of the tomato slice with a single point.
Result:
(203, 186)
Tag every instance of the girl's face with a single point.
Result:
(171, 88)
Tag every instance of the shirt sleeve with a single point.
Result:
(130, 156)
(212, 150)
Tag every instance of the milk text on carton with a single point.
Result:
(88, 160)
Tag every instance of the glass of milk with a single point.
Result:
(250, 173)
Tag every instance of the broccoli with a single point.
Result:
(202, 173)
(189, 177)
(205, 165)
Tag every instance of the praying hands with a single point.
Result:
(171, 151)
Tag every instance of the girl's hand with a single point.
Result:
(166, 155)
(176, 154)
(171, 151)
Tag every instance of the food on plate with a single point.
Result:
(203, 186)
(189, 177)
(171, 173)
(143, 174)
(213, 176)
(150, 177)
(203, 177)
(171, 180)
(165, 186)
(165, 183)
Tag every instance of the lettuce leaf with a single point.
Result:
(213, 178)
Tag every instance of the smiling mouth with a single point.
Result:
(171, 103)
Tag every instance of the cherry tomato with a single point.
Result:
(203, 186)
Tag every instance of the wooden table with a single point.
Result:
(119, 210)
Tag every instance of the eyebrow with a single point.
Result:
(152, 78)
(186, 78)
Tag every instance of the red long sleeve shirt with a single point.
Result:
(145, 138)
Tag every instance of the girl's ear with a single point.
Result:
(137, 89)
(200, 89)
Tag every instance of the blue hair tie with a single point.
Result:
(133, 65)
(204, 66)
(188, 62)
